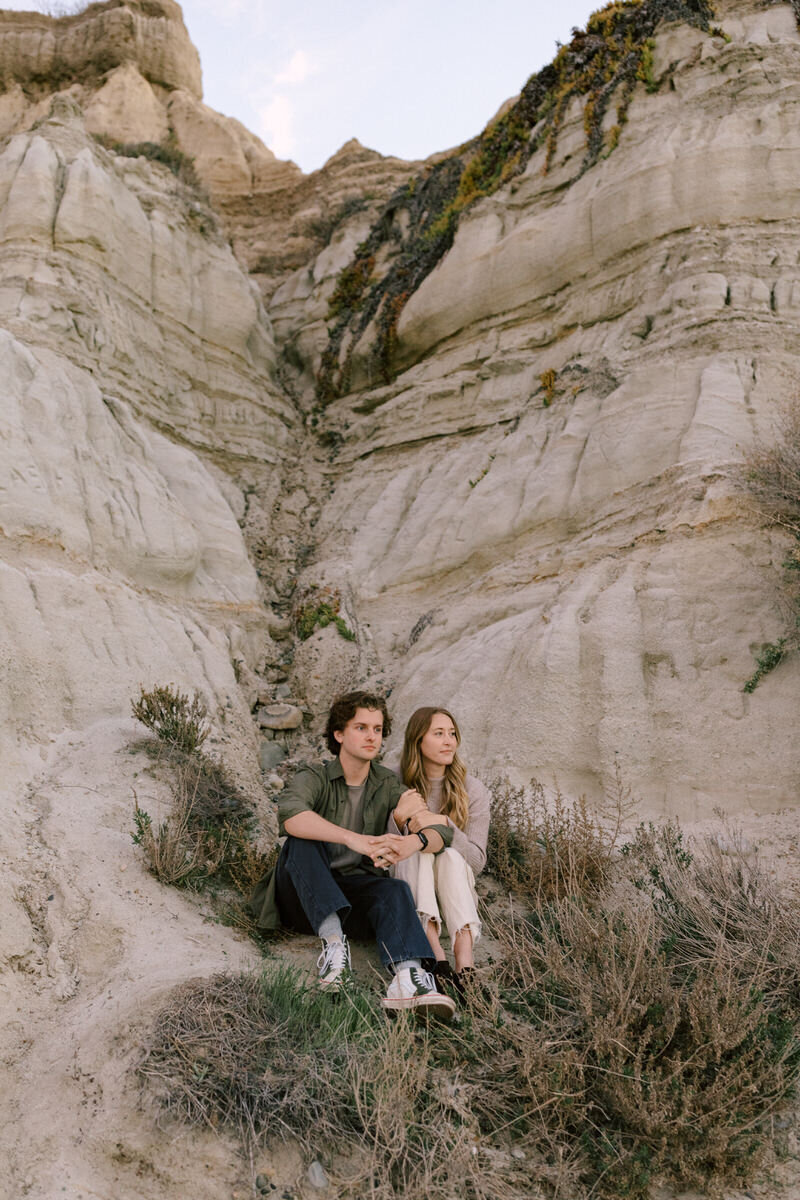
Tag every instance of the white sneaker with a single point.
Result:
(334, 963)
(414, 988)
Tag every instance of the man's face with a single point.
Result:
(362, 736)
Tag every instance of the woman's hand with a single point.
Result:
(409, 803)
(422, 818)
(399, 849)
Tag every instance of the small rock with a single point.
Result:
(283, 691)
(517, 1153)
(275, 782)
(280, 716)
(270, 755)
(317, 1177)
(263, 1183)
(280, 628)
(295, 503)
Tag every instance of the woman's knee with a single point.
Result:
(452, 864)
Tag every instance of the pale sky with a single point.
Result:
(405, 79)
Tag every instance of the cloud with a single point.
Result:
(297, 70)
(276, 121)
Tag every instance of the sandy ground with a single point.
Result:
(90, 943)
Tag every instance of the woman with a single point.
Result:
(444, 885)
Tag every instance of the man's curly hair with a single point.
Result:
(344, 709)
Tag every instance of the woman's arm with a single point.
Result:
(471, 842)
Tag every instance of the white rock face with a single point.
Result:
(126, 108)
(131, 340)
(581, 583)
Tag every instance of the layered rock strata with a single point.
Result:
(131, 67)
(536, 521)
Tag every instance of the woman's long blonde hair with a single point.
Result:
(455, 799)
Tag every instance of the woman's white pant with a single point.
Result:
(443, 886)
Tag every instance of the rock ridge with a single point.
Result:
(44, 53)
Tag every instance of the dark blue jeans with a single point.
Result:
(308, 891)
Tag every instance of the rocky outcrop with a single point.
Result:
(131, 343)
(535, 521)
(43, 53)
(132, 69)
(288, 220)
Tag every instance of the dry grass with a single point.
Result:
(180, 851)
(209, 831)
(542, 847)
(771, 474)
(269, 1058)
(640, 1031)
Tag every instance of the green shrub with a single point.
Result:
(208, 833)
(173, 717)
(771, 655)
(318, 608)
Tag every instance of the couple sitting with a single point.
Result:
(350, 822)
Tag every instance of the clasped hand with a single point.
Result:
(386, 849)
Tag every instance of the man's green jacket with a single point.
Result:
(322, 789)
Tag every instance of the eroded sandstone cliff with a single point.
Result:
(535, 518)
(519, 487)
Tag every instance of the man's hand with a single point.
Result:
(372, 847)
(385, 850)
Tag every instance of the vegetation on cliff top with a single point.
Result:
(415, 230)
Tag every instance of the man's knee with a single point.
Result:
(397, 892)
(298, 851)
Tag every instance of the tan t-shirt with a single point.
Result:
(341, 858)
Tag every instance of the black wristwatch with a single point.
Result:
(423, 839)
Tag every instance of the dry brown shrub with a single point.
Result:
(541, 846)
(180, 850)
(655, 1033)
(245, 862)
(772, 472)
(208, 833)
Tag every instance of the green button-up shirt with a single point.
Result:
(322, 789)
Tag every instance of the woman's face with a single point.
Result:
(439, 744)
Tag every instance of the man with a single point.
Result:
(332, 869)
